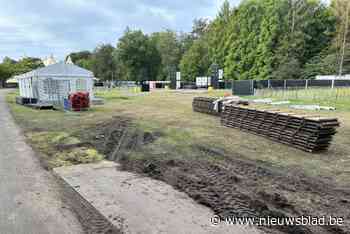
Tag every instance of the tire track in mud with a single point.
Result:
(242, 189)
(231, 186)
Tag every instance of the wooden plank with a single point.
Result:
(309, 133)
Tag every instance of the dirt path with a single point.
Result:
(30, 196)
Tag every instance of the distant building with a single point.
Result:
(69, 60)
(55, 82)
(49, 61)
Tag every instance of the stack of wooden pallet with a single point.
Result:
(311, 134)
(206, 105)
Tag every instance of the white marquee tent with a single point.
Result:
(55, 82)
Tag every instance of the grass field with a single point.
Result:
(170, 113)
(337, 97)
(231, 172)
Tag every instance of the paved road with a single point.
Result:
(29, 195)
(135, 204)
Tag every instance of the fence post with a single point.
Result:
(268, 84)
(232, 87)
(333, 84)
(306, 84)
(285, 84)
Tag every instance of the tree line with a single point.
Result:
(10, 67)
(258, 39)
(138, 56)
(280, 39)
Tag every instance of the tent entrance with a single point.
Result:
(56, 91)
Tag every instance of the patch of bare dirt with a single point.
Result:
(231, 186)
(118, 137)
(246, 189)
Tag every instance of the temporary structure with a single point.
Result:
(53, 83)
(12, 81)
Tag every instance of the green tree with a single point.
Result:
(9, 61)
(218, 35)
(5, 73)
(195, 61)
(138, 56)
(244, 41)
(85, 63)
(76, 56)
(199, 28)
(83, 59)
(310, 28)
(169, 48)
(186, 41)
(341, 43)
(333, 60)
(324, 64)
(103, 64)
(270, 34)
(10, 67)
(271, 39)
(27, 64)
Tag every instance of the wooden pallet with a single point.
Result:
(205, 105)
(309, 133)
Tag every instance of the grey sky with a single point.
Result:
(41, 27)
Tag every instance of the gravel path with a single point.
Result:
(30, 200)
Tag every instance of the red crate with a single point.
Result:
(80, 101)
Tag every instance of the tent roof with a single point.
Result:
(61, 69)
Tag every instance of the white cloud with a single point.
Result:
(39, 28)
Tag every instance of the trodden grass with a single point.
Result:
(170, 112)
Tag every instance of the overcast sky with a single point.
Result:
(41, 27)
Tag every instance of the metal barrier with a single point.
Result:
(243, 87)
(247, 87)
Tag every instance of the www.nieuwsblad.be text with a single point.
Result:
(278, 221)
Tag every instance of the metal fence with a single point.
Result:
(248, 87)
(244, 87)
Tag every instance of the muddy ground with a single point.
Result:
(230, 185)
